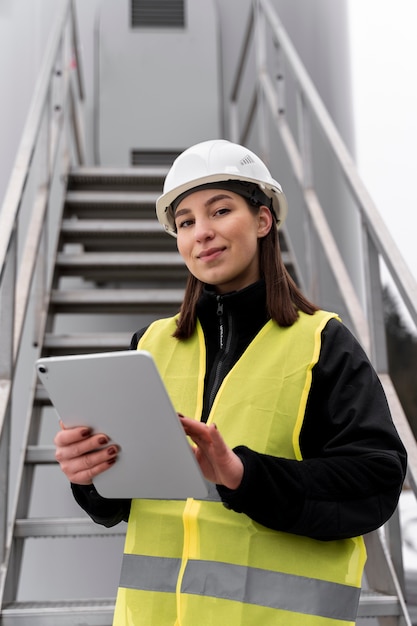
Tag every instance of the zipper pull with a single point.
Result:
(221, 325)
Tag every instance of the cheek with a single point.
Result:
(248, 238)
(185, 251)
(181, 247)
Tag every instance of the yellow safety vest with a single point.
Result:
(189, 563)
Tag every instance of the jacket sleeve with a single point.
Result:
(354, 463)
(105, 511)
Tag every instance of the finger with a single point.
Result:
(81, 447)
(87, 477)
(200, 439)
(83, 469)
(216, 439)
(196, 430)
(67, 436)
(210, 439)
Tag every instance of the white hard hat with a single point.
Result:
(217, 161)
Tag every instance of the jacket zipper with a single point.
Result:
(224, 349)
(221, 321)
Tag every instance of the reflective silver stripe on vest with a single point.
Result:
(242, 584)
(149, 573)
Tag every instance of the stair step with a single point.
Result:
(95, 612)
(40, 455)
(133, 178)
(64, 527)
(148, 266)
(116, 300)
(107, 235)
(119, 204)
(77, 343)
(375, 604)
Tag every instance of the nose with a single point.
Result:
(203, 229)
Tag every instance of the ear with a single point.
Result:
(265, 221)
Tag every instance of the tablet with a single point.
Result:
(122, 395)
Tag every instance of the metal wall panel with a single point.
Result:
(158, 87)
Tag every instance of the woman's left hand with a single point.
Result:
(217, 461)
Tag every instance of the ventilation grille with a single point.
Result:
(157, 13)
(153, 157)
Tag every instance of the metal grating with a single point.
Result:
(153, 157)
(157, 13)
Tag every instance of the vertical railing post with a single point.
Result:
(45, 166)
(54, 106)
(379, 357)
(279, 77)
(76, 53)
(233, 122)
(304, 141)
(7, 302)
(234, 95)
(76, 88)
(261, 61)
(374, 303)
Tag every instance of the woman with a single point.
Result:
(288, 420)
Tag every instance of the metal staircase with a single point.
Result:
(81, 269)
(113, 261)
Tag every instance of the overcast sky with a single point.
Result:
(384, 73)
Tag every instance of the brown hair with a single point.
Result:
(283, 298)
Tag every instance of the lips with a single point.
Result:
(210, 253)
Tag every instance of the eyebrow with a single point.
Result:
(209, 202)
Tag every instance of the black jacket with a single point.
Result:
(354, 463)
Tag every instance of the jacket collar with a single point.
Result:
(247, 307)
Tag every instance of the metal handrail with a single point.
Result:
(52, 138)
(9, 212)
(374, 228)
(386, 246)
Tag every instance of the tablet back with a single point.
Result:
(122, 395)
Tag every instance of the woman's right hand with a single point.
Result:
(82, 455)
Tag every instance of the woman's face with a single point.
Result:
(218, 236)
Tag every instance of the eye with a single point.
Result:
(222, 211)
(185, 223)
